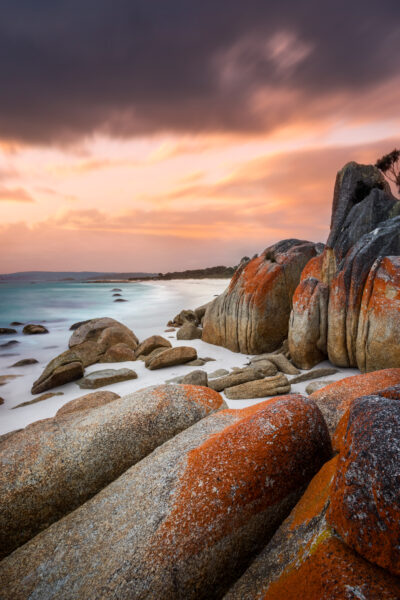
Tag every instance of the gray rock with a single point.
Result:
(317, 385)
(171, 357)
(78, 324)
(106, 377)
(185, 520)
(196, 378)
(188, 331)
(218, 373)
(314, 374)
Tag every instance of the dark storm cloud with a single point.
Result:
(69, 68)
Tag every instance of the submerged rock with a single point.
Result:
(186, 519)
(32, 329)
(25, 361)
(7, 331)
(61, 462)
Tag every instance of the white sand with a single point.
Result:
(18, 390)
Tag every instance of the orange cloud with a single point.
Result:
(15, 195)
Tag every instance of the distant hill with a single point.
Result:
(43, 276)
(220, 272)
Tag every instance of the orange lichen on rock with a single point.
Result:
(332, 571)
(250, 466)
(365, 496)
(204, 395)
(335, 398)
(315, 497)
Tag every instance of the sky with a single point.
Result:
(145, 135)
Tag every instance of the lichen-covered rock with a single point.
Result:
(188, 331)
(184, 521)
(260, 388)
(314, 386)
(252, 315)
(347, 288)
(55, 465)
(151, 343)
(308, 323)
(307, 560)
(88, 401)
(334, 399)
(378, 334)
(171, 357)
(365, 498)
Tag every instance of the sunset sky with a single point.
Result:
(151, 135)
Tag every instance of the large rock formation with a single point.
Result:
(252, 315)
(91, 342)
(184, 522)
(53, 466)
(327, 315)
(306, 559)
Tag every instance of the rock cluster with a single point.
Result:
(92, 341)
(347, 304)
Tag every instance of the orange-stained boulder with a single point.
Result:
(52, 466)
(252, 315)
(378, 337)
(308, 323)
(365, 497)
(306, 560)
(334, 399)
(184, 521)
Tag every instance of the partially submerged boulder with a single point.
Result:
(185, 520)
(252, 315)
(53, 466)
(32, 329)
(334, 399)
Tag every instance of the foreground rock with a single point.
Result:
(106, 377)
(334, 399)
(171, 357)
(260, 388)
(62, 462)
(196, 378)
(119, 353)
(252, 315)
(365, 499)
(152, 343)
(93, 341)
(185, 520)
(307, 560)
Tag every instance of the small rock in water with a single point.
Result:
(33, 329)
(16, 324)
(120, 300)
(117, 295)
(6, 378)
(106, 377)
(25, 361)
(314, 374)
(116, 290)
(39, 399)
(8, 344)
(1, 400)
(314, 386)
(7, 330)
(196, 378)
